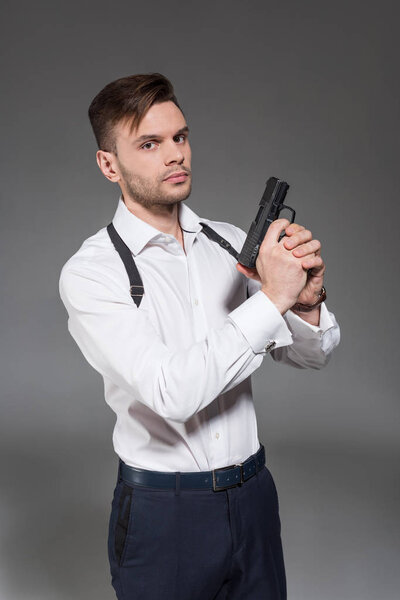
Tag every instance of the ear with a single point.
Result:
(108, 165)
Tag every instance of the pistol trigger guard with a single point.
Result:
(291, 210)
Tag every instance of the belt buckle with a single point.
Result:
(241, 472)
(218, 488)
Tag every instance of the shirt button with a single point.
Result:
(196, 301)
(217, 435)
(269, 346)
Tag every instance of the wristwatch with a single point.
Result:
(299, 307)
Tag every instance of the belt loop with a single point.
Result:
(177, 483)
(256, 457)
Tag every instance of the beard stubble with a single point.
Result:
(148, 193)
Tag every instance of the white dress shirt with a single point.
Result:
(177, 369)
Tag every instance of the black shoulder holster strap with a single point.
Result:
(136, 284)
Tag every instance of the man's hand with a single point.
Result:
(290, 270)
(299, 241)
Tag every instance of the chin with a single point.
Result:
(180, 194)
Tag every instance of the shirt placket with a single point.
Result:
(215, 443)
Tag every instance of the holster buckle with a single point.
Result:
(141, 293)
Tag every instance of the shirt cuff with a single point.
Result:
(261, 323)
(306, 330)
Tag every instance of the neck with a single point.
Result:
(162, 217)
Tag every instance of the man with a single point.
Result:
(158, 305)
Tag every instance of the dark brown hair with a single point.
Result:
(127, 98)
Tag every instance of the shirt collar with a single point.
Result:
(136, 233)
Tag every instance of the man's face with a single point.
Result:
(148, 156)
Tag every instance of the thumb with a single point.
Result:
(274, 231)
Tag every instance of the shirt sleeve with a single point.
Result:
(312, 344)
(121, 343)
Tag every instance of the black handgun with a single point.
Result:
(271, 205)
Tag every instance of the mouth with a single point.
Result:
(177, 177)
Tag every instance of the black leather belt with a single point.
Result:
(217, 479)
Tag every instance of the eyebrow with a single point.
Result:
(152, 136)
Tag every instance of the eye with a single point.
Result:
(146, 145)
(181, 135)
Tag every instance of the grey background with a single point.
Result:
(307, 91)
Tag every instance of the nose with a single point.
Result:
(173, 154)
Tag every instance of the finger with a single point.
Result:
(310, 248)
(274, 231)
(315, 263)
(293, 228)
(316, 274)
(300, 237)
